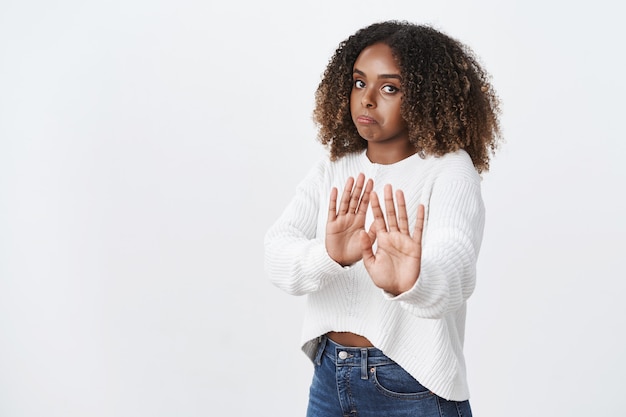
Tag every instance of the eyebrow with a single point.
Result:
(384, 76)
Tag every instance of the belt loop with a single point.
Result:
(363, 363)
(320, 349)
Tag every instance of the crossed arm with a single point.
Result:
(395, 265)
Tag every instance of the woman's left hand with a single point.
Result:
(395, 267)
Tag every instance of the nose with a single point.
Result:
(367, 99)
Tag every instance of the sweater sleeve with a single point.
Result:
(451, 243)
(296, 259)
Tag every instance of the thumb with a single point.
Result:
(366, 248)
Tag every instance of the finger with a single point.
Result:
(390, 209)
(369, 186)
(372, 233)
(366, 249)
(379, 219)
(332, 205)
(345, 197)
(419, 225)
(403, 218)
(356, 193)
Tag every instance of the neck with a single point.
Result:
(385, 155)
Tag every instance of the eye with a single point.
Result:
(390, 89)
(359, 84)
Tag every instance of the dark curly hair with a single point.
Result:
(448, 102)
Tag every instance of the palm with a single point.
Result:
(396, 264)
(345, 223)
(344, 237)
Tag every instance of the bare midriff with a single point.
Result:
(349, 339)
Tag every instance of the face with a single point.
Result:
(376, 98)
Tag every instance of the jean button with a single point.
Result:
(343, 355)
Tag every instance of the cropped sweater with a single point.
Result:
(421, 329)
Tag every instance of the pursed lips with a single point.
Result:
(366, 120)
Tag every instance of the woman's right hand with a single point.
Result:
(343, 226)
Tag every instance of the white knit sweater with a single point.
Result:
(421, 329)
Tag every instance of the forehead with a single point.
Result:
(377, 58)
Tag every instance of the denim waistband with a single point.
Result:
(351, 356)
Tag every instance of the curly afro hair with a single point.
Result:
(448, 102)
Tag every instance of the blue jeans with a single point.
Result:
(363, 382)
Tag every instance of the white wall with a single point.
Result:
(146, 146)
